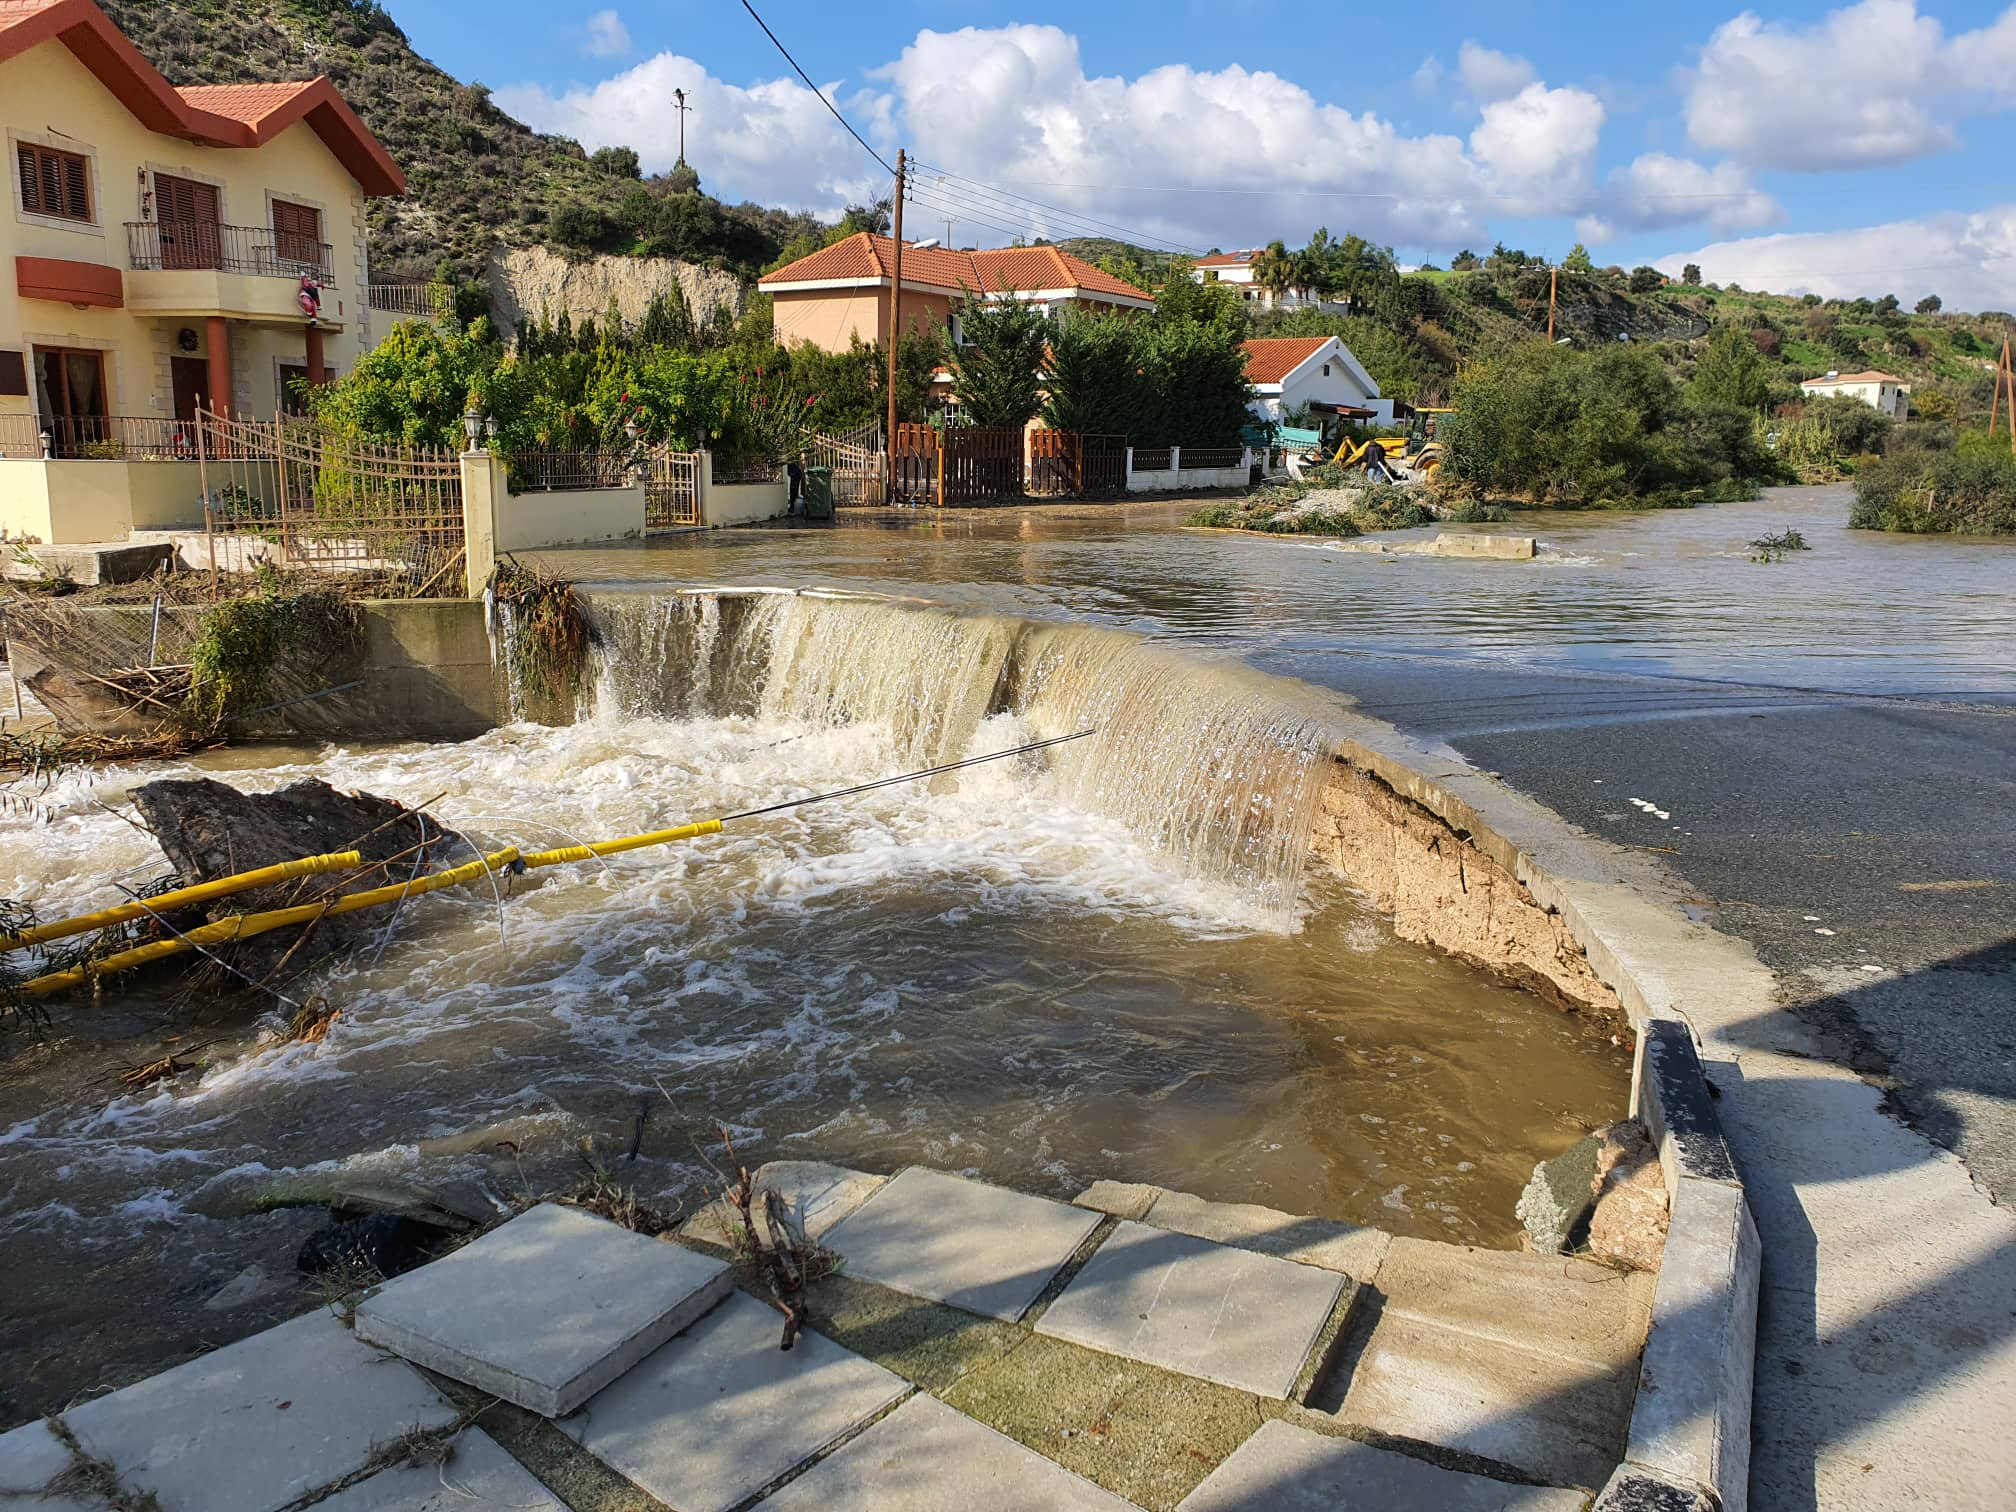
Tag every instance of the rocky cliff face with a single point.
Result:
(527, 280)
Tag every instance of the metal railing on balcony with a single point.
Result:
(421, 299)
(98, 438)
(258, 250)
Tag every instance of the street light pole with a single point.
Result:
(680, 105)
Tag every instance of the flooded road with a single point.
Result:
(1104, 960)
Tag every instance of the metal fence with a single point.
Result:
(98, 438)
(153, 245)
(1201, 457)
(421, 299)
(286, 492)
(562, 471)
(671, 490)
(747, 469)
(1151, 459)
(854, 457)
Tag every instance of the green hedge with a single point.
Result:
(1934, 492)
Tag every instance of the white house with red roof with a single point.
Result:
(841, 293)
(164, 244)
(1291, 374)
(1884, 392)
(1236, 268)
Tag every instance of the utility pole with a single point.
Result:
(680, 105)
(1553, 285)
(895, 304)
(2005, 379)
(948, 233)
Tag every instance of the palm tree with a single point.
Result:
(1274, 271)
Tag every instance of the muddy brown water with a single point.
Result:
(1111, 960)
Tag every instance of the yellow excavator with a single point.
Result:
(1389, 459)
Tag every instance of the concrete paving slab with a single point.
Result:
(1199, 1308)
(818, 1195)
(720, 1412)
(475, 1474)
(926, 1457)
(1324, 1242)
(545, 1310)
(1548, 1303)
(980, 1247)
(251, 1427)
(1122, 1199)
(1552, 1416)
(31, 1456)
(1283, 1468)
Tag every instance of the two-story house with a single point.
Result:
(1236, 268)
(842, 292)
(1885, 393)
(166, 246)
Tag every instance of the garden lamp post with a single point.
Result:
(472, 423)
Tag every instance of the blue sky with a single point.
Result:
(1865, 148)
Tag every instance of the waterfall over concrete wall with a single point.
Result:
(1215, 766)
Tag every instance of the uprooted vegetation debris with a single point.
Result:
(547, 636)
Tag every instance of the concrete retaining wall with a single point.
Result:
(528, 521)
(739, 503)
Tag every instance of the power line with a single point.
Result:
(1345, 194)
(978, 211)
(816, 89)
(988, 190)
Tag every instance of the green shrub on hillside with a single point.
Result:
(1966, 492)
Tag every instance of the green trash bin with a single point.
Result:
(818, 493)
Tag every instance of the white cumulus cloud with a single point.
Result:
(606, 36)
(773, 141)
(1539, 146)
(1656, 190)
(1491, 75)
(1968, 260)
(1873, 83)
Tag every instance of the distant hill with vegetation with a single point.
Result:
(477, 178)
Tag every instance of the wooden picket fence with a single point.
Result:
(1076, 465)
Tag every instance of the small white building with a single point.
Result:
(1291, 373)
(1237, 268)
(1883, 392)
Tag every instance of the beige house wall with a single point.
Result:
(49, 98)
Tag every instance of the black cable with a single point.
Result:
(816, 89)
(950, 766)
(1081, 217)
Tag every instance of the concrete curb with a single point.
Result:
(1689, 1443)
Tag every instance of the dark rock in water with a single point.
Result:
(386, 1242)
(210, 830)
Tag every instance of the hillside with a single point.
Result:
(476, 177)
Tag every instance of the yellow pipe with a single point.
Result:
(616, 847)
(181, 897)
(245, 926)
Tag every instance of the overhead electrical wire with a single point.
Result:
(1009, 219)
(991, 192)
(830, 106)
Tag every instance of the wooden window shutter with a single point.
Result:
(76, 187)
(55, 183)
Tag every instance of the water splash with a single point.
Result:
(1214, 767)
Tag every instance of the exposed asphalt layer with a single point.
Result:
(1834, 833)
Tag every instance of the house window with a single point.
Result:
(293, 374)
(72, 398)
(54, 183)
(1326, 370)
(297, 233)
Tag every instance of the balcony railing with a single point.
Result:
(98, 438)
(258, 250)
(422, 299)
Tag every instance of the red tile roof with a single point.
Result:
(1271, 359)
(1227, 259)
(220, 115)
(1871, 376)
(990, 270)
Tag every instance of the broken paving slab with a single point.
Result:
(1228, 1315)
(475, 1474)
(545, 1310)
(721, 1412)
(31, 1457)
(259, 1424)
(817, 1196)
(926, 1457)
(1283, 1468)
(947, 1239)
